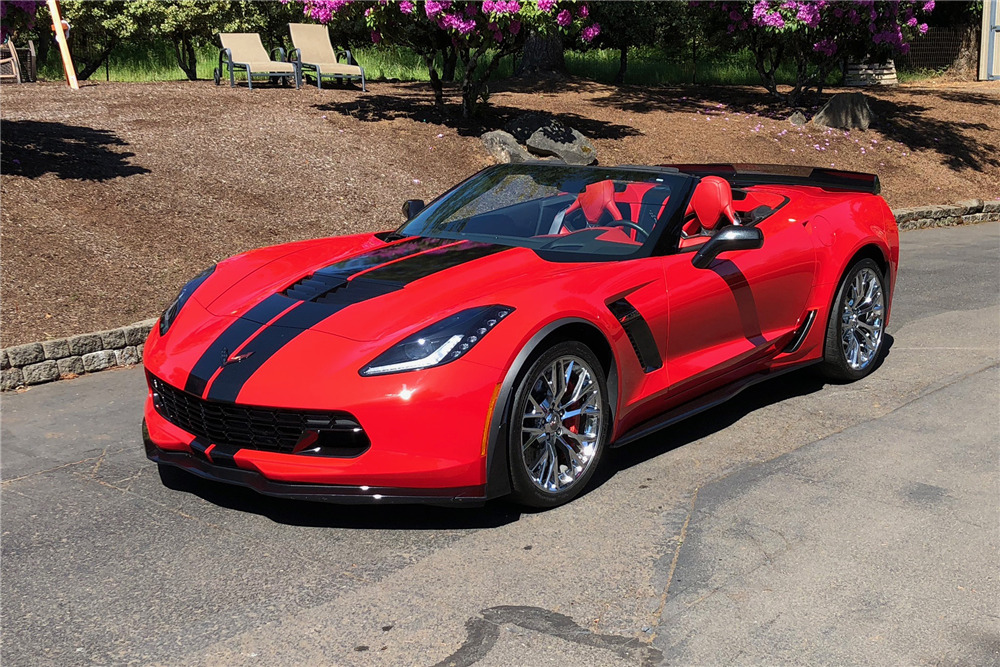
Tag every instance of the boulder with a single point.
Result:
(567, 144)
(797, 118)
(527, 124)
(503, 147)
(845, 111)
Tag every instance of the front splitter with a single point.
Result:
(328, 493)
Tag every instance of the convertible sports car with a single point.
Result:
(515, 328)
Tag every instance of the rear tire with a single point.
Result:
(217, 75)
(560, 423)
(855, 333)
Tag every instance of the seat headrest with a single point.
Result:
(597, 198)
(712, 200)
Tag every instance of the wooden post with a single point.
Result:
(57, 26)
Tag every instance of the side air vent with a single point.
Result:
(638, 334)
(800, 335)
(337, 290)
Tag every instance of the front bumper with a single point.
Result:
(198, 464)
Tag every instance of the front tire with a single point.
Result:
(856, 331)
(560, 423)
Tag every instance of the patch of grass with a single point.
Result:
(653, 66)
(917, 75)
(155, 61)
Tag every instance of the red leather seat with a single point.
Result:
(711, 203)
(595, 200)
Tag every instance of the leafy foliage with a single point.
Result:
(817, 35)
(479, 34)
(16, 15)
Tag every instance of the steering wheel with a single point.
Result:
(629, 225)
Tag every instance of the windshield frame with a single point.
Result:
(657, 243)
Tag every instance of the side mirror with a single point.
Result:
(411, 207)
(730, 237)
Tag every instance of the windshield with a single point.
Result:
(597, 212)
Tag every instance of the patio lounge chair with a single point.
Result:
(313, 52)
(10, 65)
(244, 51)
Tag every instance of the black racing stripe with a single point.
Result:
(372, 258)
(233, 376)
(235, 335)
(420, 266)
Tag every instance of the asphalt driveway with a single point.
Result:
(800, 523)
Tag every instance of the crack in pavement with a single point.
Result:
(932, 389)
(673, 566)
(484, 631)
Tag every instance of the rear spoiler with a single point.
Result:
(742, 175)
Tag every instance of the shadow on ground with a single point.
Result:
(499, 512)
(799, 383)
(907, 124)
(418, 104)
(902, 121)
(32, 148)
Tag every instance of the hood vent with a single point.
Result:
(336, 289)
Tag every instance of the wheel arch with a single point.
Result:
(870, 251)
(568, 329)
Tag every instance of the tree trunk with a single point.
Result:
(766, 72)
(436, 84)
(449, 58)
(543, 56)
(186, 59)
(88, 68)
(475, 90)
(622, 65)
(694, 60)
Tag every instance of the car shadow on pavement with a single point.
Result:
(327, 515)
(500, 512)
(799, 383)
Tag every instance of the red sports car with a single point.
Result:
(515, 328)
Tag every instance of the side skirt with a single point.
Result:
(702, 403)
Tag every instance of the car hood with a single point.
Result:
(383, 290)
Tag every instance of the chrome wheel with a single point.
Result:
(862, 319)
(562, 424)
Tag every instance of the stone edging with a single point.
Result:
(967, 212)
(35, 363)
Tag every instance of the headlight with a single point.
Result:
(439, 343)
(167, 318)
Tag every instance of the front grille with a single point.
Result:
(267, 429)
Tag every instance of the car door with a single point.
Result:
(740, 310)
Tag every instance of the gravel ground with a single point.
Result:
(112, 196)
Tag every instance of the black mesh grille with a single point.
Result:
(268, 429)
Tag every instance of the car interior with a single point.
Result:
(621, 212)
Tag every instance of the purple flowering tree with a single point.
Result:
(816, 36)
(16, 15)
(480, 33)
